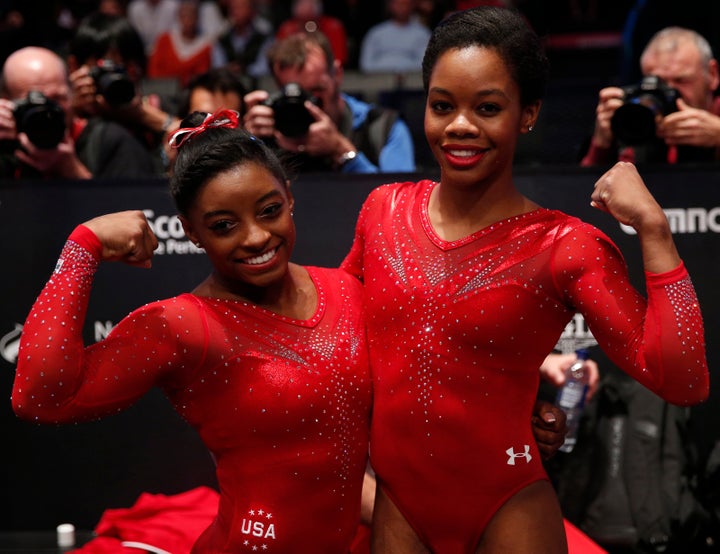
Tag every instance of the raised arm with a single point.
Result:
(58, 379)
(658, 340)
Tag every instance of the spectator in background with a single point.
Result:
(398, 43)
(107, 65)
(643, 18)
(691, 133)
(211, 20)
(117, 8)
(217, 88)
(151, 18)
(25, 23)
(12, 30)
(81, 149)
(308, 16)
(244, 46)
(429, 12)
(357, 17)
(183, 51)
(343, 133)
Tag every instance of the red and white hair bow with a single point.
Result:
(221, 118)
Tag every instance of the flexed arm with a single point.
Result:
(658, 341)
(58, 379)
(125, 237)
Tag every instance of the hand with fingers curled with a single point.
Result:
(549, 425)
(8, 127)
(622, 193)
(125, 237)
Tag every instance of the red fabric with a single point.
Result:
(579, 542)
(283, 404)
(78, 125)
(471, 321)
(172, 523)
(361, 544)
(166, 61)
(221, 118)
(88, 240)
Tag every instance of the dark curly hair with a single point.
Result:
(100, 33)
(214, 151)
(504, 30)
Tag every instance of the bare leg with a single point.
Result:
(529, 522)
(391, 533)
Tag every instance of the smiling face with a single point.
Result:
(242, 218)
(473, 117)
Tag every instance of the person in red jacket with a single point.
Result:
(183, 51)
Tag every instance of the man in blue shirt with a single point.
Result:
(343, 133)
(396, 44)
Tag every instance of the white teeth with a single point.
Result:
(463, 153)
(261, 259)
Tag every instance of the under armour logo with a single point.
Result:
(10, 344)
(512, 455)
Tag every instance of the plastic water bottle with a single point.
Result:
(571, 397)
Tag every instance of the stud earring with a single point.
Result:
(530, 128)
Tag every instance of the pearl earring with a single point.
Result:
(530, 128)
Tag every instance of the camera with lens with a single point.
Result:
(113, 82)
(634, 121)
(292, 118)
(41, 119)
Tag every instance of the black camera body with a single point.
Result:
(292, 118)
(634, 121)
(113, 82)
(41, 119)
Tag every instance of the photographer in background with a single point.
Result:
(326, 129)
(40, 137)
(681, 102)
(107, 63)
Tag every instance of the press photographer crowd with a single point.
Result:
(446, 113)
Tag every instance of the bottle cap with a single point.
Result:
(65, 535)
(582, 353)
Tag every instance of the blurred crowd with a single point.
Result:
(120, 76)
(22, 24)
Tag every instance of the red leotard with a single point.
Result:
(457, 331)
(282, 404)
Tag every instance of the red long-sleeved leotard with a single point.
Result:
(457, 331)
(282, 404)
